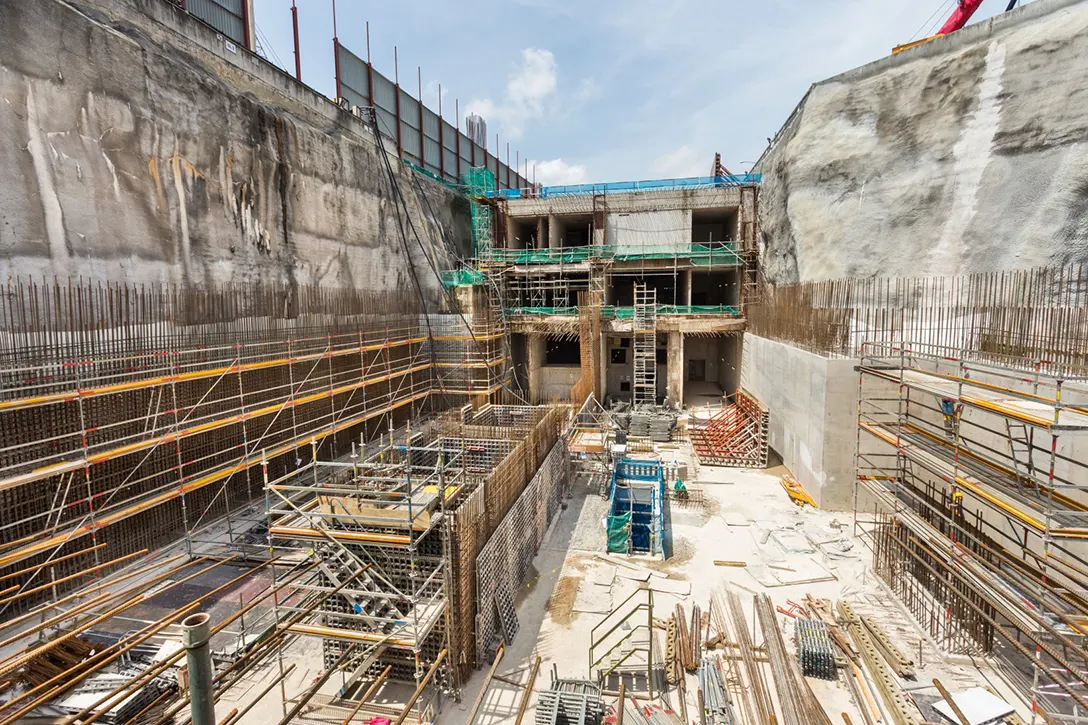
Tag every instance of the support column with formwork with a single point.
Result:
(600, 217)
(675, 389)
(537, 349)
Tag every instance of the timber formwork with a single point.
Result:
(735, 436)
(971, 494)
(503, 563)
(132, 415)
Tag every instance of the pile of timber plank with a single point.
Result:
(736, 436)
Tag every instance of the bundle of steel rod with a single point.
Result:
(814, 649)
(755, 692)
(1038, 314)
(798, 705)
(717, 705)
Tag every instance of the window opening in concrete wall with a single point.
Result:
(623, 288)
(574, 231)
(714, 288)
(562, 352)
(713, 226)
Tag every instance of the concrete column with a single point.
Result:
(554, 229)
(675, 370)
(747, 217)
(537, 349)
(511, 232)
(687, 288)
(605, 362)
(541, 234)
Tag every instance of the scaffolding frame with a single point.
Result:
(133, 414)
(977, 538)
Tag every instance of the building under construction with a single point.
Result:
(317, 410)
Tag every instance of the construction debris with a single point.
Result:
(570, 702)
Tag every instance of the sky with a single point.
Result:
(608, 90)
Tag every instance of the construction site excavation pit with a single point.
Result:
(317, 408)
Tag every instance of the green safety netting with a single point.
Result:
(627, 313)
(477, 182)
(461, 277)
(699, 254)
(619, 528)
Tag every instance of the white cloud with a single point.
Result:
(588, 90)
(682, 162)
(532, 84)
(557, 172)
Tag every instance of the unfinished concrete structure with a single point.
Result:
(315, 426)
(685, 242)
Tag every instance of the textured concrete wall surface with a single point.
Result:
(137, 145)
(649, 232)
(968, 153)
(813, 404)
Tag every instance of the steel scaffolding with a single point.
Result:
(131, 415)
(972, 498)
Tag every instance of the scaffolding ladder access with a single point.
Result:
(645, 346)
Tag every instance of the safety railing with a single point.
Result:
(461, 277)
(713, 253)
(627, 313)
(616, 187)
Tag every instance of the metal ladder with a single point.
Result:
(1021, 447)
(338, 565)
(645, 346)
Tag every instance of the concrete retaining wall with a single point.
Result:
(137, 145)
(813, 404)
(966, 154)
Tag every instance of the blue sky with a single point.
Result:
(609, 90)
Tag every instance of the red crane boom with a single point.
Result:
(960, 16)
